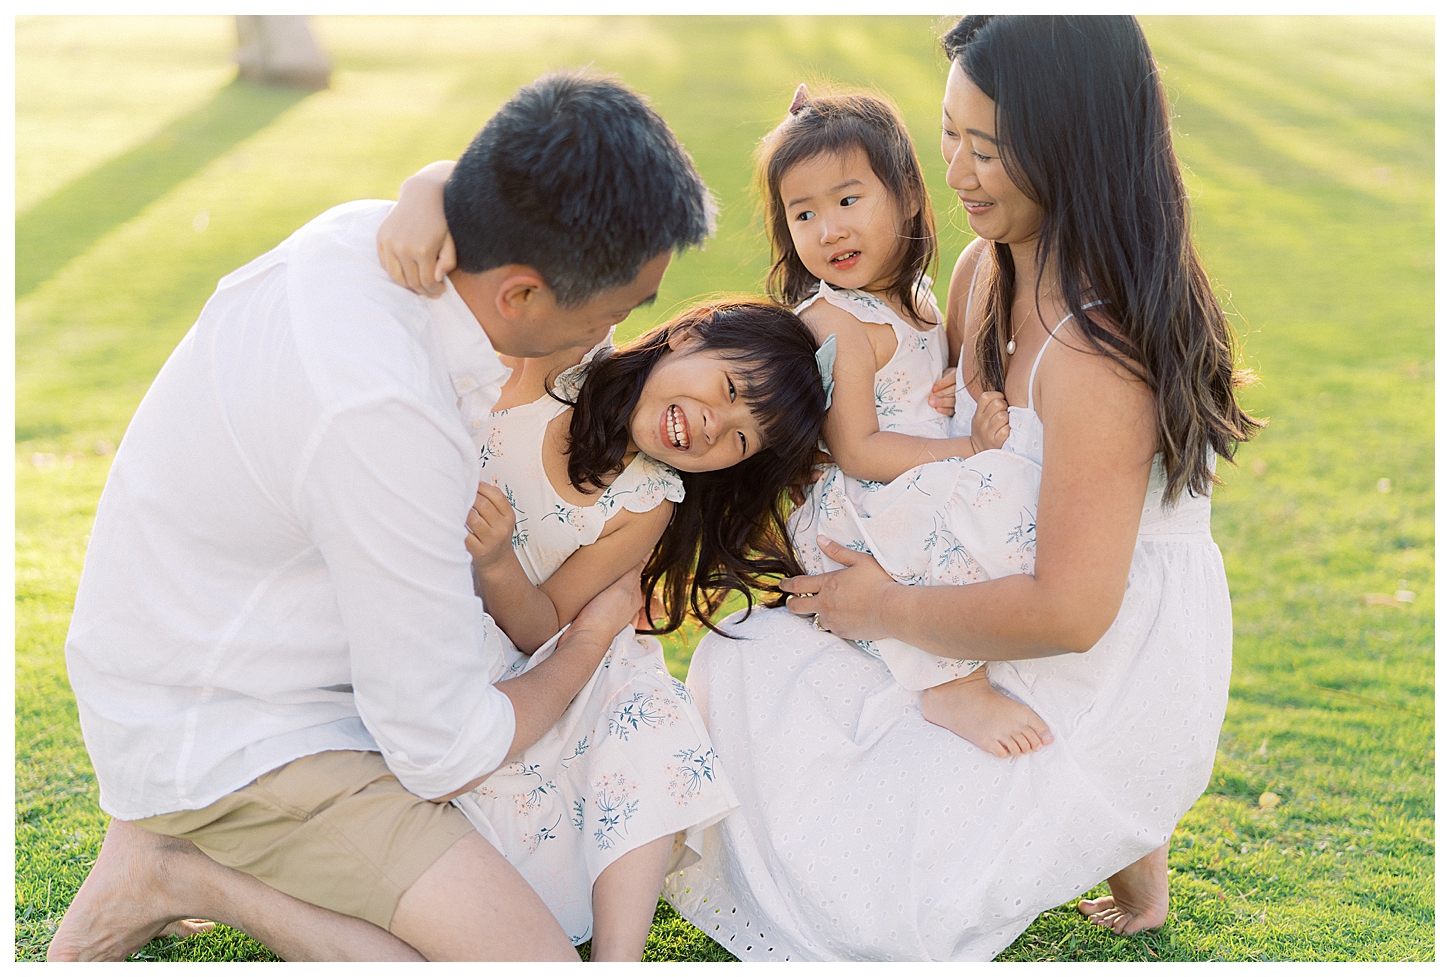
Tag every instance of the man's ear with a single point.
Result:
(519, 293)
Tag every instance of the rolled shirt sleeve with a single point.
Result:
(383, 495)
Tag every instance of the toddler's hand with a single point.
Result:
(944, 394)
(490, 526)
(413, 240)
(989, 423)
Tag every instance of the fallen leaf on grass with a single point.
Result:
(1268, 800)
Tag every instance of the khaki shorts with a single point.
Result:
(334, 829)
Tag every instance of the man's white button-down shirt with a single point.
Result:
(277, 566)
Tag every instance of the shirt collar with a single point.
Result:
(472, 362)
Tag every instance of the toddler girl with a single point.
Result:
(574, 493)
(852, 238)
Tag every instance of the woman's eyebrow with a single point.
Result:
(979, 132)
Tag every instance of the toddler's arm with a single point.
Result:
(529, 614)
(857, 443)
(413, 240)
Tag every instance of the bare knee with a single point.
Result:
(471, 904)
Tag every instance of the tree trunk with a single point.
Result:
(280, 50)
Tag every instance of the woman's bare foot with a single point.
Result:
(1139, 900)
(126, 901)
(981, 715)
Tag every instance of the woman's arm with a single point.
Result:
(1098, 451)
(852, 432)
(530, 615)
(413, 240)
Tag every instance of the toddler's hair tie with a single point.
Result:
(826, 362)
(801, 100)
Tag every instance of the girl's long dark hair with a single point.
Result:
(1084, 129)
(831, 124)
(729, 533)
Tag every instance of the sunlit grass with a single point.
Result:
(1309, 146)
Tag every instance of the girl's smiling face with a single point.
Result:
(996, 208)
(692, 413)
(843, 220)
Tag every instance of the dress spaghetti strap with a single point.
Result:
(1032, 377)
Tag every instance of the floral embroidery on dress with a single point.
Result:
(986, 492)
(534, 839)
(889, 392)
(492, 447)
(521, 532)
(613, 798)
(644, 709)
(580, 748)
(689, 778)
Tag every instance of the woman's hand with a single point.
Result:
(943, 396)
(989, 423)
(490, 527)
(413, 240)
(847, 602)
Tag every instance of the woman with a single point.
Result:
(867, 828)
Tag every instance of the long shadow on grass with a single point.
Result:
(69, 221)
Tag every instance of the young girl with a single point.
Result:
(573, 494)
(852, 236)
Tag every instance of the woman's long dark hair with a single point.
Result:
(729, 533)
(1084, 128)
(828, 125)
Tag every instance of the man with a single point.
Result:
(279, 661)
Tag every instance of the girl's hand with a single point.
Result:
(989, 424)
(490, 527)
(797, 490)
(413, 240)
(845, 602)
(614, 607)
(944, 394)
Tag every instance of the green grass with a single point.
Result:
(1309, 145)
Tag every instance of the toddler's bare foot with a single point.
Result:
(1139, 900)
(981, 715)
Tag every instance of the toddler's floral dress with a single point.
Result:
(630, 760)
(954, 521)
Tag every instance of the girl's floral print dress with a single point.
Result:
(954, 521)
(629, 761)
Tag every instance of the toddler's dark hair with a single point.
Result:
(576, 177)
(729, 533)
(834, 124)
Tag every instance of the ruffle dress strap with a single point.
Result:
(865, 307)
(642, 486)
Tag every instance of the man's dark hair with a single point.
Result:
(576, 177)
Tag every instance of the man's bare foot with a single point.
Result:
(1139, 900)
(127, 900)
(981, 715)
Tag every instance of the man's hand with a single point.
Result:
(989, 423)
(614, 607)
(847, 602)
(943, 394)
(490, 527)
